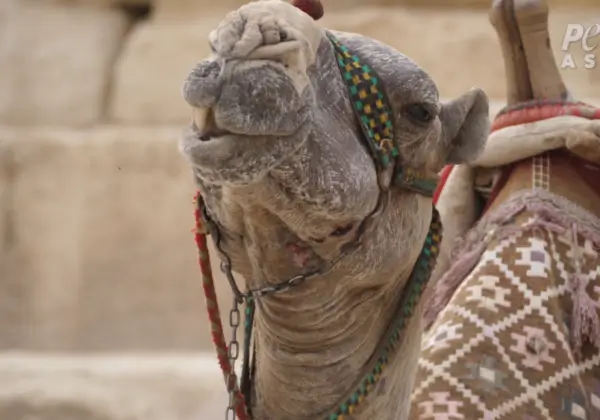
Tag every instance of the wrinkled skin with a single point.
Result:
(277, 153)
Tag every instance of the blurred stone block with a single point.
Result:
(484, 4)
(56, 63)
(190, 9)
(153, 65)
(459, 49)
(97, 251)
(111, 387)
(166, 10)
(92, 3)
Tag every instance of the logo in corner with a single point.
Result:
(589, 40)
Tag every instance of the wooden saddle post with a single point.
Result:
(531, 69)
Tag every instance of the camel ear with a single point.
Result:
(465, 126)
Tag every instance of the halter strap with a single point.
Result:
(375, 118)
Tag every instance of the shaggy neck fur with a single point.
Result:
(315, 340)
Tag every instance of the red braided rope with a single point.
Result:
(443, 178)
(533, 112)
(212, 307)
(529, 112)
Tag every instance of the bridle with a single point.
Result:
(374, 115)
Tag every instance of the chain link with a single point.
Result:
(233, 350)
(284, 286)
(241, 298)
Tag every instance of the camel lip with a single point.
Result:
(209, 135)
(208, 131)
(215, 135)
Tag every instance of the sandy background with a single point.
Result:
(101, 309)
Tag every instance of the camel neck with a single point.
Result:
(307, 361)
(329, 344)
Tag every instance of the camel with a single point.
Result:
(512, 327)
(315, 154)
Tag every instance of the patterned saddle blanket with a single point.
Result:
(502, 348)
(519, 337)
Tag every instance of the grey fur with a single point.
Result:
(289, 168)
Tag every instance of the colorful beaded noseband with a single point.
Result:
(374, 116)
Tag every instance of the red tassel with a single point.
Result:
(313, 8)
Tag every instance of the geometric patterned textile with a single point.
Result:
(501, 349)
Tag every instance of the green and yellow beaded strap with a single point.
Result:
(375, 117)
(369, 103)
(410, 298)
(416, 181)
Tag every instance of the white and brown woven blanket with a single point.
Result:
(515, 331)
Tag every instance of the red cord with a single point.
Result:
(214, 316)
(443, 178)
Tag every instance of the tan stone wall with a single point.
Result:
(56, 62)
(96, 252)
(458, 48)
(110, 387)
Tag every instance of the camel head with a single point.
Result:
(272, 83)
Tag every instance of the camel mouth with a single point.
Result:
(215, 136)
(210, 135)
(220, 135)
(209, 132)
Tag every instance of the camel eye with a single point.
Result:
(419, 113)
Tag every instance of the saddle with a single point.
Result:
(573, 178)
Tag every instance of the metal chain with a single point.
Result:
(240, 297)
(284, 286)
(233, 354)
